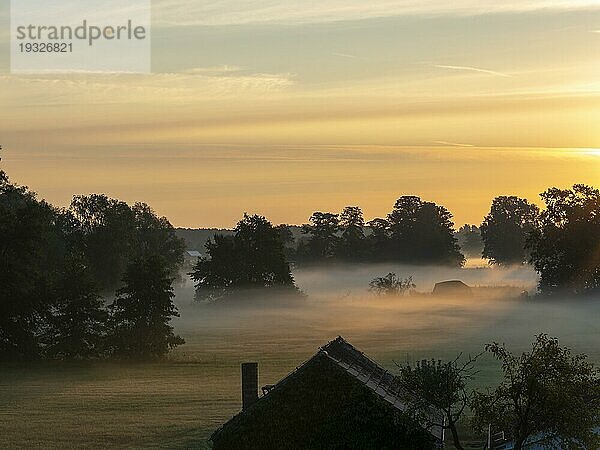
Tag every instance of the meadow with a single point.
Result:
(178, 402)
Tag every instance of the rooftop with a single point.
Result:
(379, 380)
(356, 364)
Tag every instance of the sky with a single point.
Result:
(287, 107)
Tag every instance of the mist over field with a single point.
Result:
(283, 173)
(181, 401)
(396, 329)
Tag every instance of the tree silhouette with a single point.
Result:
(547, 392)
(422, 232)
(53, 261)
(351, 245)
(566, 248)
(442, 385)
(323, 235)
(115, 233)
(379, 240)
(77, 325)
(254, 257)
(107, 229)
(30, 251)
(391, 285)
(506, 228)
(287, 238)
(142, 310)
(155, 235)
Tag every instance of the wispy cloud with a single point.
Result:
(452, 144)
(215, 70)
(473, 69)
(343, 55)
(228, 12)
(176, 88)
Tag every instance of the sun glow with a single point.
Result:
(591, 151)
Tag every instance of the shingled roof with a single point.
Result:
(379, 380)
(356, 364)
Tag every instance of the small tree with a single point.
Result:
(143, 309)
(547, 393)
(391, 285)
(253, 258)
(439, 385)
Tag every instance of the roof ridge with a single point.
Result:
(371, 375)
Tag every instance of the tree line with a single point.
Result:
(560, 242)
(58, 265)
(415, 231)
(258, 254)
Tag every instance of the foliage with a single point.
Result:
(351, 244)
(115, 234)
(378, 240)
(506, 228)
(323, 236)
(391, 285)
(77, 323)
(422, 232)
(414, 232)
(287, 239)
(29, 247)
(566, 248)
(49, 302)
(142, 310)
(442, 385)
(53, 262)
(547, 392)
(254, 257)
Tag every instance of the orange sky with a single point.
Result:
(320, 108)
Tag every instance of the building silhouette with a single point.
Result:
(338, 399)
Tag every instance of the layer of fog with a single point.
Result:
(337, 302)
(354, 279)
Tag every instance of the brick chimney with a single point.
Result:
(249, 384)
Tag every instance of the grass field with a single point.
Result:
(178, 402)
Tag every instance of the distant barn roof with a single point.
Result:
(360, 367)
(451, 287)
